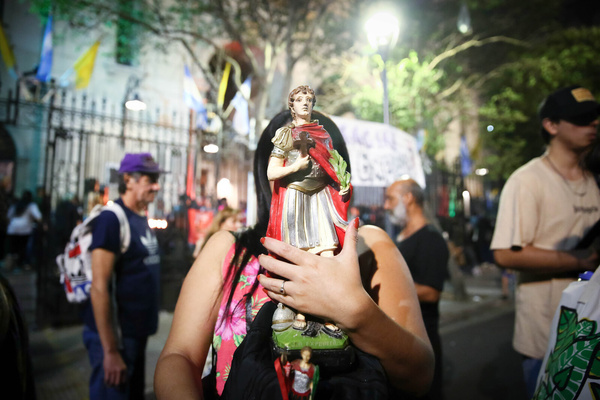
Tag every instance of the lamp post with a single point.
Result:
(135, 104)
(383, 29)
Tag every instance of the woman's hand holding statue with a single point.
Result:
(327, 287)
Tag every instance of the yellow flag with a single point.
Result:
(223, 85)
(7, 54)
(84, 66)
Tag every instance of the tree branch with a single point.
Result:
(473, 43)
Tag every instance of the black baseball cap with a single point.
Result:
(573, 104)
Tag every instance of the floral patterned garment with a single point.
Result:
(230, 332)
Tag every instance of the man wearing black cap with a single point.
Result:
(546, 207)
(116, 336)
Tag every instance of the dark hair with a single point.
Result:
(248, 242)
(545, 134)
(21, 206)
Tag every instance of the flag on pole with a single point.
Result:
(241, 119)
(7, 54)
(465, 157)
(223, 85)
(83, 68)
(190, 188)
(421, 134)
(45, 67)
(193, 99)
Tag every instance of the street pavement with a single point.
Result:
(61, 368)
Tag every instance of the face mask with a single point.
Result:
(398, 214)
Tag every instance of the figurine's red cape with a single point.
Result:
(320, 154)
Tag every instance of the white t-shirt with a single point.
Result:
(538, 208)
(23, 224)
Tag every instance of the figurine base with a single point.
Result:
(329, 360)
(293, 339)
(329, 353)
(331, 349)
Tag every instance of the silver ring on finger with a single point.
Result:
(282, 288)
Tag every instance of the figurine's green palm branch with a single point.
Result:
(339, 166)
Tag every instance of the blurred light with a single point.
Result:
(466, 203)
(223, 188)
(157, 223)
(382, 29)
(481, 171)
(490, 128)
(211, 148)
(136, 104)
(464, 20)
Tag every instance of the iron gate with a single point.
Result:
(78, 140)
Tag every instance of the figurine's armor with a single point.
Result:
(308, 215)
(302, 380)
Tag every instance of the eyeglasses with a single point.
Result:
(583, 119)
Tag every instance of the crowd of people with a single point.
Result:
(348, 273)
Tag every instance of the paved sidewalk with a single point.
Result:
(61, 368)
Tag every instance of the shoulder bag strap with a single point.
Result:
(125, 231)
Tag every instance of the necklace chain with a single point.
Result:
(564, 179)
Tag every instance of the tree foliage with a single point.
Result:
(266, 33)
(517, 88)
(516, 54)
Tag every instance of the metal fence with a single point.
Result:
(73, 141)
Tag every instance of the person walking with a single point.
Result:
(227, 219)
(426, 254)
(23, 217)
(546, 207)
(116, 337)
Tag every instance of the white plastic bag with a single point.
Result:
(571, 366)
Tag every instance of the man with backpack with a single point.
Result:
(124, 292)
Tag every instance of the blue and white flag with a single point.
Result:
(241, 119)
(193, 99)
(45, 67)
(421, 138)
(465, 157)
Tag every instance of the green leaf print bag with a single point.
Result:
(571, 366)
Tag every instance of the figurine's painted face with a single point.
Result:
(305, 355)
(303, 105)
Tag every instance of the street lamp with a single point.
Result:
(134, 104)
(463, 24)
(383, 29)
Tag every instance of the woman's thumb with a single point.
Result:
(351, 236)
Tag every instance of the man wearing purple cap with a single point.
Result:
(546, 207)
(116, 336)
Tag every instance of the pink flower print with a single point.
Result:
(250, 273)
(229, 326)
